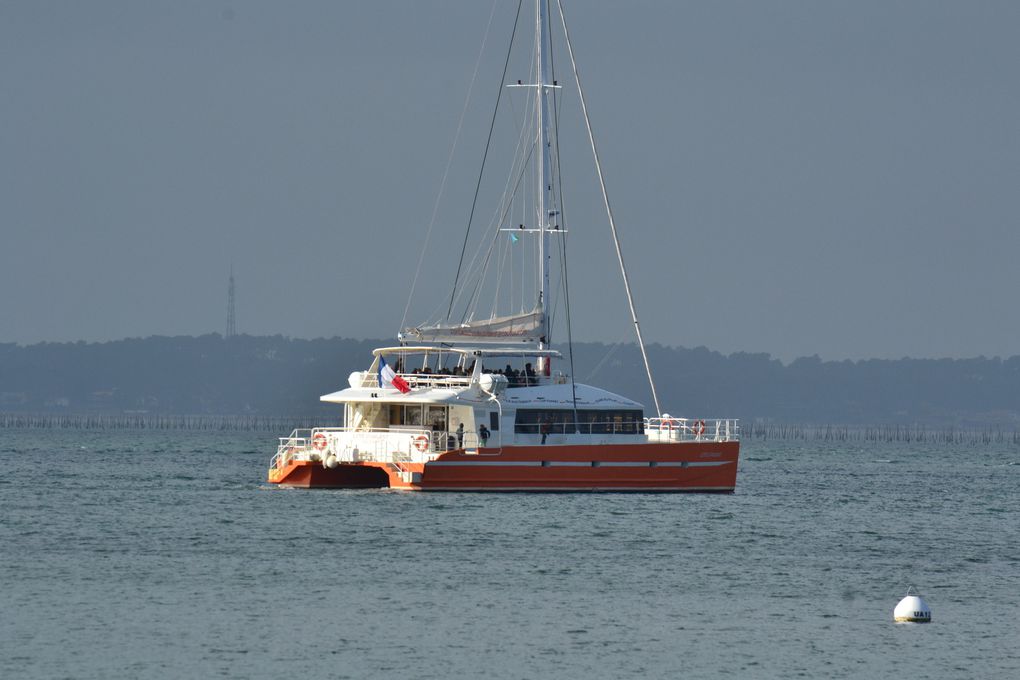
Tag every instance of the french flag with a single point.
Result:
(387, 378)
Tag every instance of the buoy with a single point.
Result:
(330, 461)
(912, 609)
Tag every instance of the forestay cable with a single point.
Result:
(609, 210)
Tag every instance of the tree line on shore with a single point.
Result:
(146, 380)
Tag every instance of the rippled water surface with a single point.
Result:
(152, 555)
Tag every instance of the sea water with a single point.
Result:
(152, 555)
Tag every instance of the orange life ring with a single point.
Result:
(698, 427)
(421, 442)
(319, 441)
(668, 424)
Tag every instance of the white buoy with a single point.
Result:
(330, 461)
(912, 609)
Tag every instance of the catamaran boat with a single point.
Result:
(470, 400)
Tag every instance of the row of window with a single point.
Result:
(423, 415)
(561, 421)
(419, 415)
(530, 421)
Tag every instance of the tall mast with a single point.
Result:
(545, 165)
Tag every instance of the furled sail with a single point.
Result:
(500, 329)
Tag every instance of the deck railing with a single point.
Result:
(445, 381)
(422, 380)
(692, 429)
(350, 445)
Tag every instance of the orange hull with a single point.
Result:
(682, 466)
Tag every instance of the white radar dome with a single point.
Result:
(354, 379)
(492, 383)
(912, 609)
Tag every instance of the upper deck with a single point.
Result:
(437, 374)
(447, 388)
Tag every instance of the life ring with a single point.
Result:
(698, 427)
(319, 441)
(668, 424)
(421, 442)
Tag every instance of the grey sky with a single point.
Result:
(789, 177)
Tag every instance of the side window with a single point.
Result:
(412, 415)
(610, 422)
(532, 421)
(493, 421)
(631, 422)
(527, 421)
(437, 418)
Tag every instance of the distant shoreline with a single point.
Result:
(283, 425)
(274, 377)
(167, 422)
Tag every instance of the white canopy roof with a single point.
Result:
(469, 351)
(542, 396)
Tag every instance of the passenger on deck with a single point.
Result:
(483, 434)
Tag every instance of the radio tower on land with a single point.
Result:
(231, 320)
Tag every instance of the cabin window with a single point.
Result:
(493, 421)
(437, 418)
(611, 422)
(561, 421)
(412, 415)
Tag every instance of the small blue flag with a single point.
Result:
(513, 238)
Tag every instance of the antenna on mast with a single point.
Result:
(231, 318)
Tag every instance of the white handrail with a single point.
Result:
(444, 380)
(692, 429)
